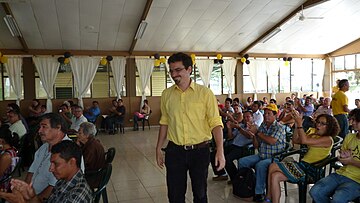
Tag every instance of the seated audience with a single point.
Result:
(269, 139)
(227, 110)
(248, 103)
(117, 116)
(34, 111)
(265, 100)
(323, 109)
(93, 112)
(43, 110)
(92, 150)
(257, 115)
(8, 156)
(71, 185)
(14, 106)
(344, 184)
(239, 133)
(52, 131)
(237, 116)
(78, 119)
(16, 125)
(145, 111)
(65, 113)
(319, 143)
(357, 103)
(285, 117)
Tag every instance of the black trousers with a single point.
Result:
(178, 162)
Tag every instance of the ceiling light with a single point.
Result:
(13, 27)
(141, 29)
(271, 34)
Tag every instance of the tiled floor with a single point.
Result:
(136, 177)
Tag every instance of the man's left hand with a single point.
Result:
(219, 160)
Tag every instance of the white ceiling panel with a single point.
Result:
(24, 16)
(46, 16)
(111, 14)
(182, 25)
(69, 23)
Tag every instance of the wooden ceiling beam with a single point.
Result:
(307, 4)
(143, 17)
(8, 11)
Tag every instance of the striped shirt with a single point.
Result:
(276, 130)
(74, 191)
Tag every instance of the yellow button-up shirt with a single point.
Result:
(338, 101)
(190, 115)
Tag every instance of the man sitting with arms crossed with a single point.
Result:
(65, 165)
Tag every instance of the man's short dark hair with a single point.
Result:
(229, 99)
(342, 83)
(67, 150)
(236, 100)
(55, 121)
(184, 58)
(95, 102)
(258, 103)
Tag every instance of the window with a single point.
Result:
(346, 67)
(285, 77)
(301, 75)
(9, 93)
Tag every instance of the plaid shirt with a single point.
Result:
(277, 131)
(74, 191)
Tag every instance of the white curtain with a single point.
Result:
(205, 67)
(229, 67)
(256, 67)
(84, 70)
(118, 70)
(272, 71)
(47, 67)
(13, 68)
(145, 68)
(319, 71)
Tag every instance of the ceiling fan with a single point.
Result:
(302, 17)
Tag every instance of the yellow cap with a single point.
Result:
(272, 107)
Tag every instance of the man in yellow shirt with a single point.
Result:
(189, 118)
(339, 105)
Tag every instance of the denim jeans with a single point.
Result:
(343, 123)
(340, 188)
(261, 170)
(178, 162)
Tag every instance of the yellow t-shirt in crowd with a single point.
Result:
(353, 143)
(315, 154)
(339, 100)
(190, 115)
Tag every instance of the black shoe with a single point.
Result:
(258, 198)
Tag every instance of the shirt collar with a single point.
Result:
(192, 86)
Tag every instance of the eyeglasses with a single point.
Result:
(320, 123)
(176, 70)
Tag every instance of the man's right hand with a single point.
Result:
(26, 190)
(160, 158)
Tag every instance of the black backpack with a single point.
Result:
(244, 183)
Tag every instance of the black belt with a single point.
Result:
(204, 144)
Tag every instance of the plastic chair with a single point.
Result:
(109, 155)
(100, 191)
(145, 119)
(119, 126)
(337, 145)
(319, 173)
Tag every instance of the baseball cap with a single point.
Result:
(272, 107)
